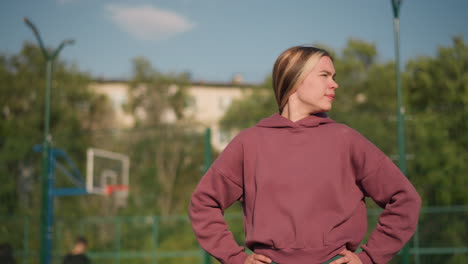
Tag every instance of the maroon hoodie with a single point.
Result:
(302, 186)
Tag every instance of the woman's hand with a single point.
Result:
(257, 259)
(349, 257)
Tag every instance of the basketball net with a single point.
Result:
(119, 192)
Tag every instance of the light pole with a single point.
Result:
(47, 180)
(400, 108)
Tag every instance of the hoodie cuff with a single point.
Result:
(365, 258)
(239, 258)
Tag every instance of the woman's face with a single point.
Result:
(317, 91)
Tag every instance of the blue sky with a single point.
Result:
(215, 39)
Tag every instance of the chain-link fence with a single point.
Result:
(441, 237)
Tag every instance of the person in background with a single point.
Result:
(6, 254)
(78, 253)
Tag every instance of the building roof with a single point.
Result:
(193, 83)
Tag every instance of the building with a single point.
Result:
(209, 104)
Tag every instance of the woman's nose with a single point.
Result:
(334, 84)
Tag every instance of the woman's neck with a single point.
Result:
(290, 113)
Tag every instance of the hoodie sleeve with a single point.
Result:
(218, 189)
(379, 178)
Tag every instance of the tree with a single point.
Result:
(259, 103)
(22, 99)
(162, 154)
(437, 91)
(22, 88)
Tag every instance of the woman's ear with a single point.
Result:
(293, 96)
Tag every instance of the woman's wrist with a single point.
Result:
(364, 257)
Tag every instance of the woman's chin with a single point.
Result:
(326, 108)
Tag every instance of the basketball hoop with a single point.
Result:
(107, 174)
(119, 193)
(110, 189)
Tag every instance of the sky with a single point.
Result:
(216, 39)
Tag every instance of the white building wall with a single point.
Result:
(210, 103)
(117, 92)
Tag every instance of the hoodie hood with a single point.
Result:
(278, 121)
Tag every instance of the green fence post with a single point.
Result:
(81, 227)
(208, 160)
(26, 240)
(155, 238)
(117, 239)
(400, 108)
(416, 246)
(58, 238)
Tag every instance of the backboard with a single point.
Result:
(105, 168)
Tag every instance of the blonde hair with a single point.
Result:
(291, 68)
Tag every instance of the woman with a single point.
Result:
(302, 178)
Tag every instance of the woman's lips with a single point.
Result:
(331, 97)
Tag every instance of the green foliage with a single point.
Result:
(153, 93)
(166, 148)
(167, 157)
(437, 99)
(246, 112)
(22, 99)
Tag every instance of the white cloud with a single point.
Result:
(148, 22)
